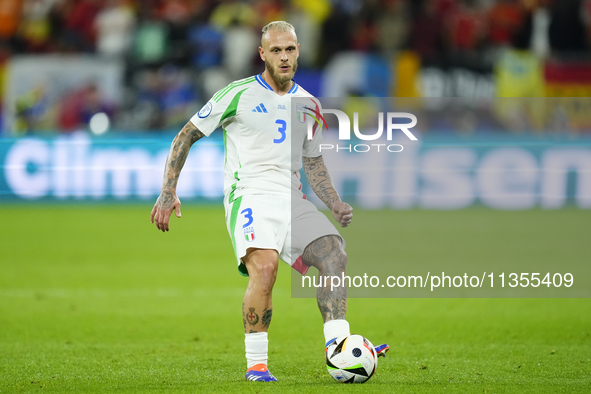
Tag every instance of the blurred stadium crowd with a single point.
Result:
(174, 54)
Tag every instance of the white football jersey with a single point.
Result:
(263, 153)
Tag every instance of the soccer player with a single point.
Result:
(267, 215)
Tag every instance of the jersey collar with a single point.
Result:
(294, 88)
(264, 84)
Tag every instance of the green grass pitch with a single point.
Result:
(94, 299)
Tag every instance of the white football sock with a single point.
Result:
(337, 328)
(257, 347)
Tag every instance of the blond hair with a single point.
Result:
(280, 26)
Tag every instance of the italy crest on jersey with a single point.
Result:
(249, 234)
(301, 112)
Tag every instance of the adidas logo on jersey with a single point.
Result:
(281, 107)
(260, 108)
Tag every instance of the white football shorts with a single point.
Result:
(275, 222)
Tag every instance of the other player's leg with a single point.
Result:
(257, 310)
(328, 256)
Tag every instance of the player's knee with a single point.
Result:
(266, 277)
(333, 259)
(338, 247)
(338, 260)
(264, 273)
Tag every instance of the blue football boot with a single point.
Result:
(381, 350)
(259, 373)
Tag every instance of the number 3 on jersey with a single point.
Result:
(282, 127)
(248, 216)
(248, 231)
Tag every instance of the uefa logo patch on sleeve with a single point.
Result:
(206, 110)
(249, 234)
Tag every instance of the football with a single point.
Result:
(351, 360)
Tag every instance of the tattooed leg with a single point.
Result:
(257, 308)
(327, 254)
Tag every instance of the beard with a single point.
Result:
(281, 79)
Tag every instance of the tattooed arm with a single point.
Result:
(320, 181)
(168, 200)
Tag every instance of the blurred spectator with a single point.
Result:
(504, 18)
(165, 99)
(204, 40)
(151, 38)
(35, 27)
(365, 29)
(317, 10)
(10, 13)
(465, 27)
(425, 32)
(177, 14)
(336, 35)
(230, 12)
(586, 14)
(567, 29)
(206, 46)
(177, 97)
(80, 105)
(29, 110)
(445, 8)
(393, 26)
(540, 37)
(533, 33)
(145, 111)
(240, 40)
(240, 45)
(57, 21)
(267, 11)
(114, 26)
(79, 32)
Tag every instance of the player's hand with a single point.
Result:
(342, 213)
(166, 203)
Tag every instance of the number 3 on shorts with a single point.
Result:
(282, 127)
(247, 215)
